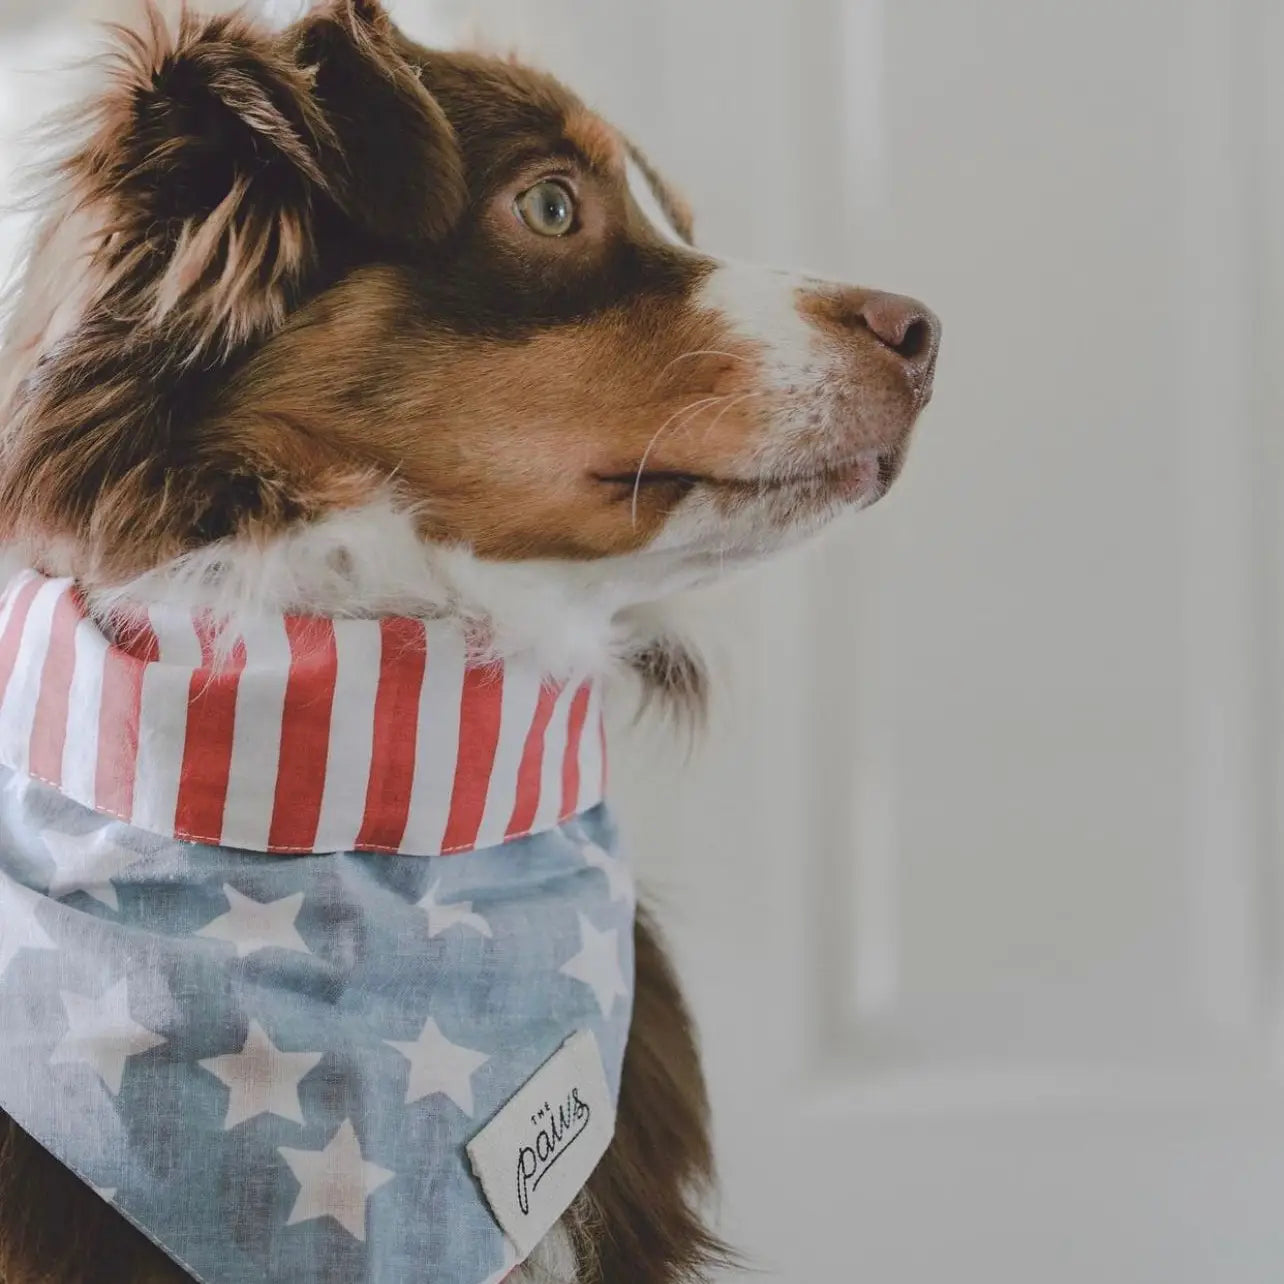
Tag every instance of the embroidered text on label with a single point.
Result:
(538, 1152)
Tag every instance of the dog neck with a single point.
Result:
(571, 620)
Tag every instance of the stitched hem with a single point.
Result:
(223, 840)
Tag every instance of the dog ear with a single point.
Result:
(202, 175)
(221, 147)
(403, 176)
(224, 169)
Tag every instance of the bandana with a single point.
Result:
(316, 954)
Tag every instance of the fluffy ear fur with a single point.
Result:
(404, 174)
(221, 151)
(203, 173)
(223, 165)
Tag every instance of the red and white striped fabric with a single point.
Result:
(309, 735)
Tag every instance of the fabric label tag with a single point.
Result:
(534, 1157)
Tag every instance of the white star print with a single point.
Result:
(18, 927)
(598, 965)
(102, 1034)
(263, 1079)
(437, 1065)
(253, 925)
(87, 863)
(441, 918)
(335, 1182)
(105, 1192)
(615, 869)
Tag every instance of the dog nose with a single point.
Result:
(904, 325)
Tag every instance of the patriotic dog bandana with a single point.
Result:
(315, 951)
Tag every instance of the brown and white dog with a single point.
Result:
(327, 322)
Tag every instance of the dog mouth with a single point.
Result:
(867, 476)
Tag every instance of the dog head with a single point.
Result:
(377, 310)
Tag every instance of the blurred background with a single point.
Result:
(978, 881)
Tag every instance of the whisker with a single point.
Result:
(646, 454)
(735, 401)
(699, 352)
(732, 399)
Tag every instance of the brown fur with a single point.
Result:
(638, 1221)
(216, 172)
(265, 332)
(596, 141)
(282, 273)
(293, 299)
(474, 426)
(675, 682)
(641, 1207)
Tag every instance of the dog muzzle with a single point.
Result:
(316, 955)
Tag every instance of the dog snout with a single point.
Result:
(905, 326)
(904, 333)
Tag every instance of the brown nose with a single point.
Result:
(909, 329)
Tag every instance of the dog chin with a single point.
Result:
(711, 539)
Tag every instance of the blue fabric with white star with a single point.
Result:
(273, 1065)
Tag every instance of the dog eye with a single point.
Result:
(548, 208)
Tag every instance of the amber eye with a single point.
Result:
(548, 208)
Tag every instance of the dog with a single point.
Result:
(325, 327)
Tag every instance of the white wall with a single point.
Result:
(978, 883)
